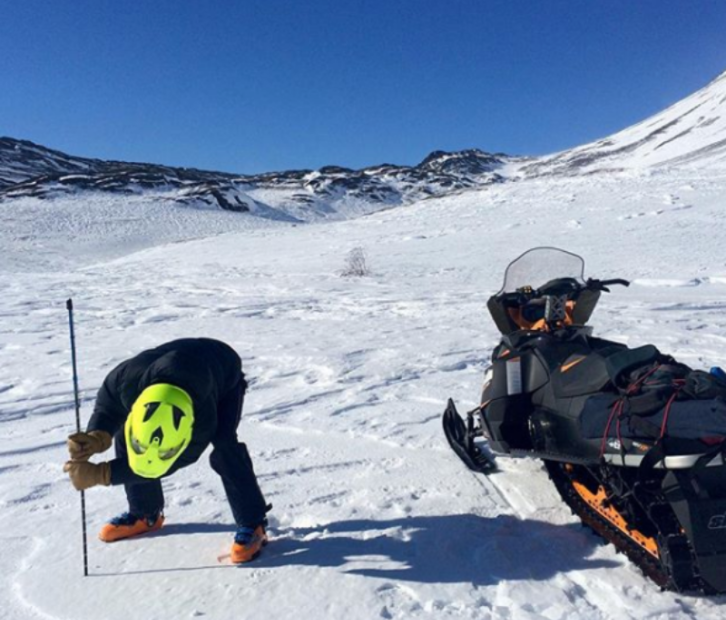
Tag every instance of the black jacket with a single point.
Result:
(206, 369)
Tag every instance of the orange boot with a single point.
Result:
(128, 525)
(248, 543)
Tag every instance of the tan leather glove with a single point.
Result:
(82, 446)
(85, 475)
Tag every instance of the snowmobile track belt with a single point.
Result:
(651, 567)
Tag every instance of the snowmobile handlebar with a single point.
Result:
(602, 285)
(568, 286)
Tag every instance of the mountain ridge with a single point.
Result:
(28, 169)
(690, 132)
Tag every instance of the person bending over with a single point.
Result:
(161, 409)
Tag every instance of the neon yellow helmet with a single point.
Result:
(158, 429)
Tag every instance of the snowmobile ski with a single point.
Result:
(461, 439)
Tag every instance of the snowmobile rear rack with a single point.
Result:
(461, 439)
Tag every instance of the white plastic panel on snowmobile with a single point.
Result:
(683, 461)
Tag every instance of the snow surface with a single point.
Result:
(690, 133)
(374, 516)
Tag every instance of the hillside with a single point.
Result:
(373, 515)
(691, 133)
(29, 170)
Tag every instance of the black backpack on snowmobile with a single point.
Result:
(633, 441)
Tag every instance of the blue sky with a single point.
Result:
(250, 86)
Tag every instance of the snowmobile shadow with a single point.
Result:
(441, 549)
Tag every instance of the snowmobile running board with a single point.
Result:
(684, 461)
(461, 439)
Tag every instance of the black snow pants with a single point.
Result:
(229, 459)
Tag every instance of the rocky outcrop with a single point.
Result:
(31, 170)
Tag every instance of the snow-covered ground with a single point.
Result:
(690, 133)
(374, 517)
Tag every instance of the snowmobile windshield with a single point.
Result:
(538, 266)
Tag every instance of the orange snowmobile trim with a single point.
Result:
(572, 364)
(112, 533)
(597, 502)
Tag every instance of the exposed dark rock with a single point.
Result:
(30, 170)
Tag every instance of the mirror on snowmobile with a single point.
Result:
(543, 289)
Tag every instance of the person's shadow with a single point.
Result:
(174, 529)
(433, 549)
(439, 549)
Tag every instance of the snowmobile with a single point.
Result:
(633, 441)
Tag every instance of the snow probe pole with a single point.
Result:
(69, 305)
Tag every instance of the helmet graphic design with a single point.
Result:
(158, 429)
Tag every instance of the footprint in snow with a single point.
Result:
(398, 601)
(670, 199)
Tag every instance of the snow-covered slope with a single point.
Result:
(21, 160)
(374, 516)
(691, 132)
(31, 170)
(28, 170)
